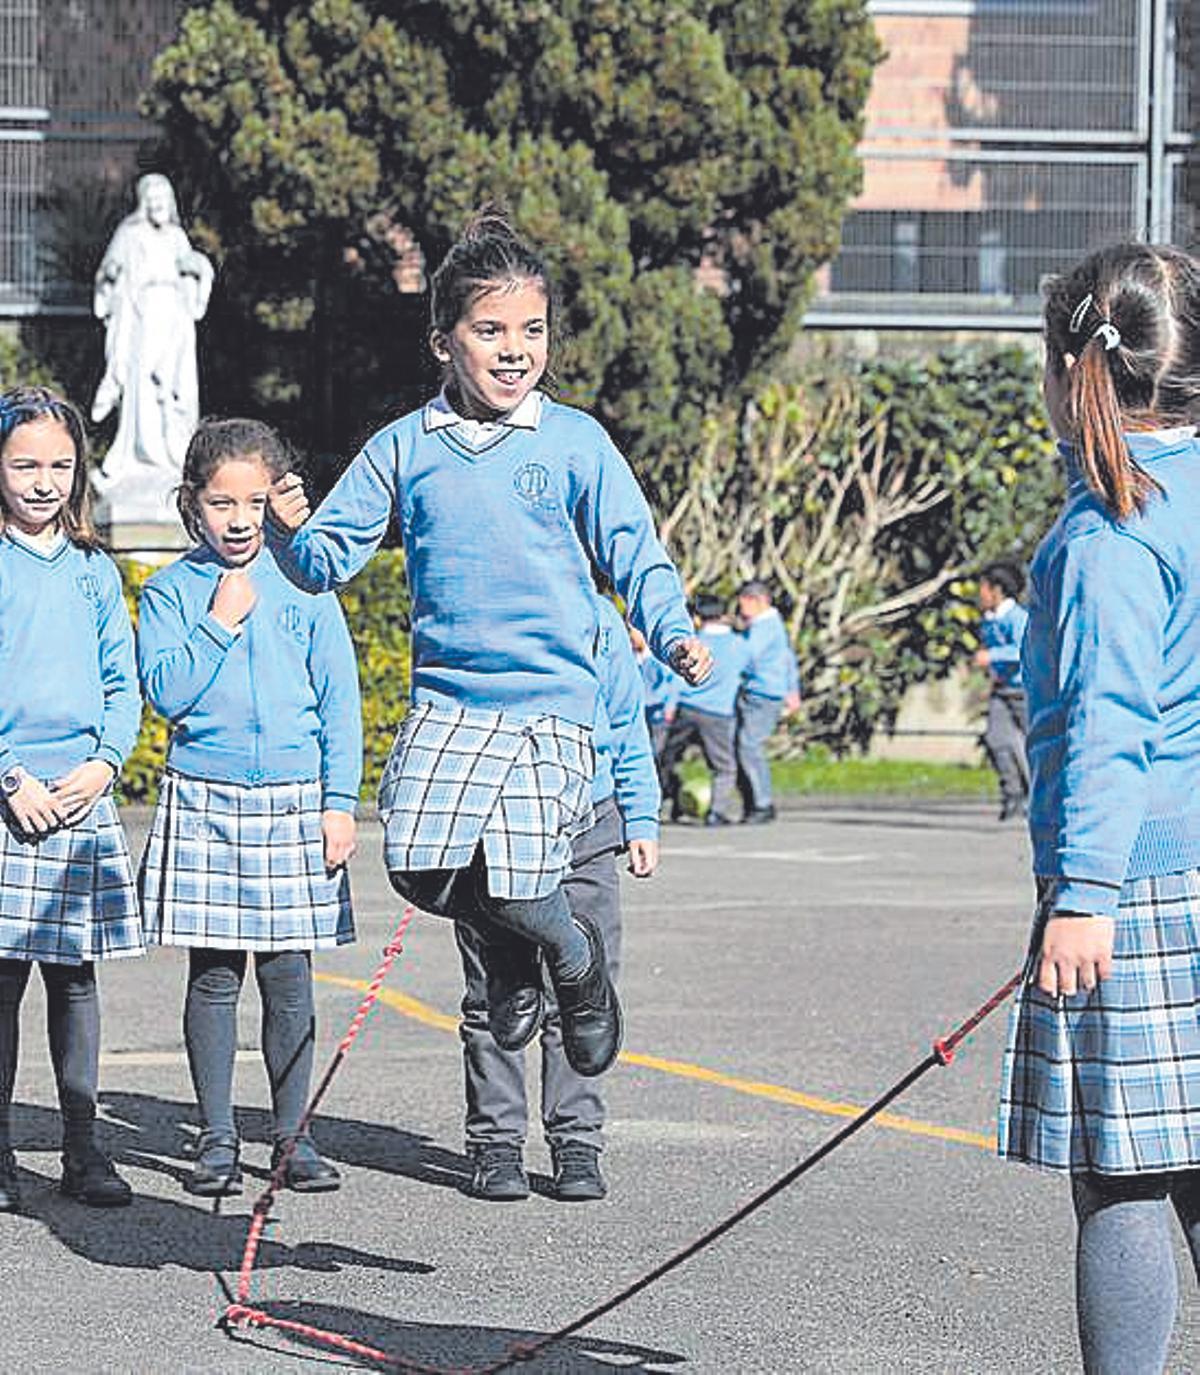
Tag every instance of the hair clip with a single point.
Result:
(1111, 335)
(1079, 314)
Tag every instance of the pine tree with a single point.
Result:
(635, 140)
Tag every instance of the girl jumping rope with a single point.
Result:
(1102, 1071)
(255, 818)
(505, 500)
(68, 716)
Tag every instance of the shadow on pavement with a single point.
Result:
(153, 1233)
(456, 1347)
(139, 1125)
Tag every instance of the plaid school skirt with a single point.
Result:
(239, 868)
(69, 897)
(1109, 1081)
(456, 779)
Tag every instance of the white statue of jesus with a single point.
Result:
(151, 289)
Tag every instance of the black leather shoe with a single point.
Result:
(716, 819)
(514, 987)
(306, 1171)
(577, 1177)
(499, 1174)
(759, 816)
(89, 1177)
(589, 1011)
(10, 1185)
(217, 1172)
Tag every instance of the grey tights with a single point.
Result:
(73, 1024)
(1125, 1282)
(288, 1023)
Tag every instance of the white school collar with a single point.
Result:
(441, 415)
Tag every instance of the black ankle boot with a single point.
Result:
(217, 1172)
(88, 1175)
(589, 1011)
(307, 1171)
(514, 989)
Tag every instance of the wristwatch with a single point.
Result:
(11, 780)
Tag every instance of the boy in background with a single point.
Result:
(1002, 629)
(771, 690)
(706, 715)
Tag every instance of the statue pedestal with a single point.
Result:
(137, 516)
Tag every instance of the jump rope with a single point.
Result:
(240, 1313)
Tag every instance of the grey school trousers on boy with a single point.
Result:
(714, 734)
(757, 717)
(572, 1109)
(1004, 741)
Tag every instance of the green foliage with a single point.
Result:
(19, 366)
(376, 607)
(143, 768)
(635, 139)
(871, 500)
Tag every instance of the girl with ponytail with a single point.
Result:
(1102, 1068)
(506, 500)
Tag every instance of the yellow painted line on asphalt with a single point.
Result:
(776, 1093)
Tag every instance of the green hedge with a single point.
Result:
(376, 607)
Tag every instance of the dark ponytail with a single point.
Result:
(489, 252)
(1129, 316)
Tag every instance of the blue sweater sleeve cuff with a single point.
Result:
(1088, 899)
(110, 755)
(218, 635)
(641, 828)
(340, 802)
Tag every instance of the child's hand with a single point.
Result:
(234, 598)
(691, 659)
(643, 857)
(338, 830)
(982, 658)
(34, 807)
(791, 704)
(1076, 953)
(288, 503)
(76, 793)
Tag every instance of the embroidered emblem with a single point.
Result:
(89, 585)
(532, 481)
(291, 621)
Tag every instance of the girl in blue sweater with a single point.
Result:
(1102, 1070)
(505, 500)
(255, 817)
(68, 717)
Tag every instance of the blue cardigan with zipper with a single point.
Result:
(1111, 666)
(275, 701)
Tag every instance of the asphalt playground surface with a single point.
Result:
(773, 975)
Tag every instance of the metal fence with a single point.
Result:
(71, 75)
(1004, 139)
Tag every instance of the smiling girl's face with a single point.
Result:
(37, 472)
(498, 349)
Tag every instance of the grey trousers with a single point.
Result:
(1004, 741)
(714, 735)
(572, 1109)
(757, 718)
